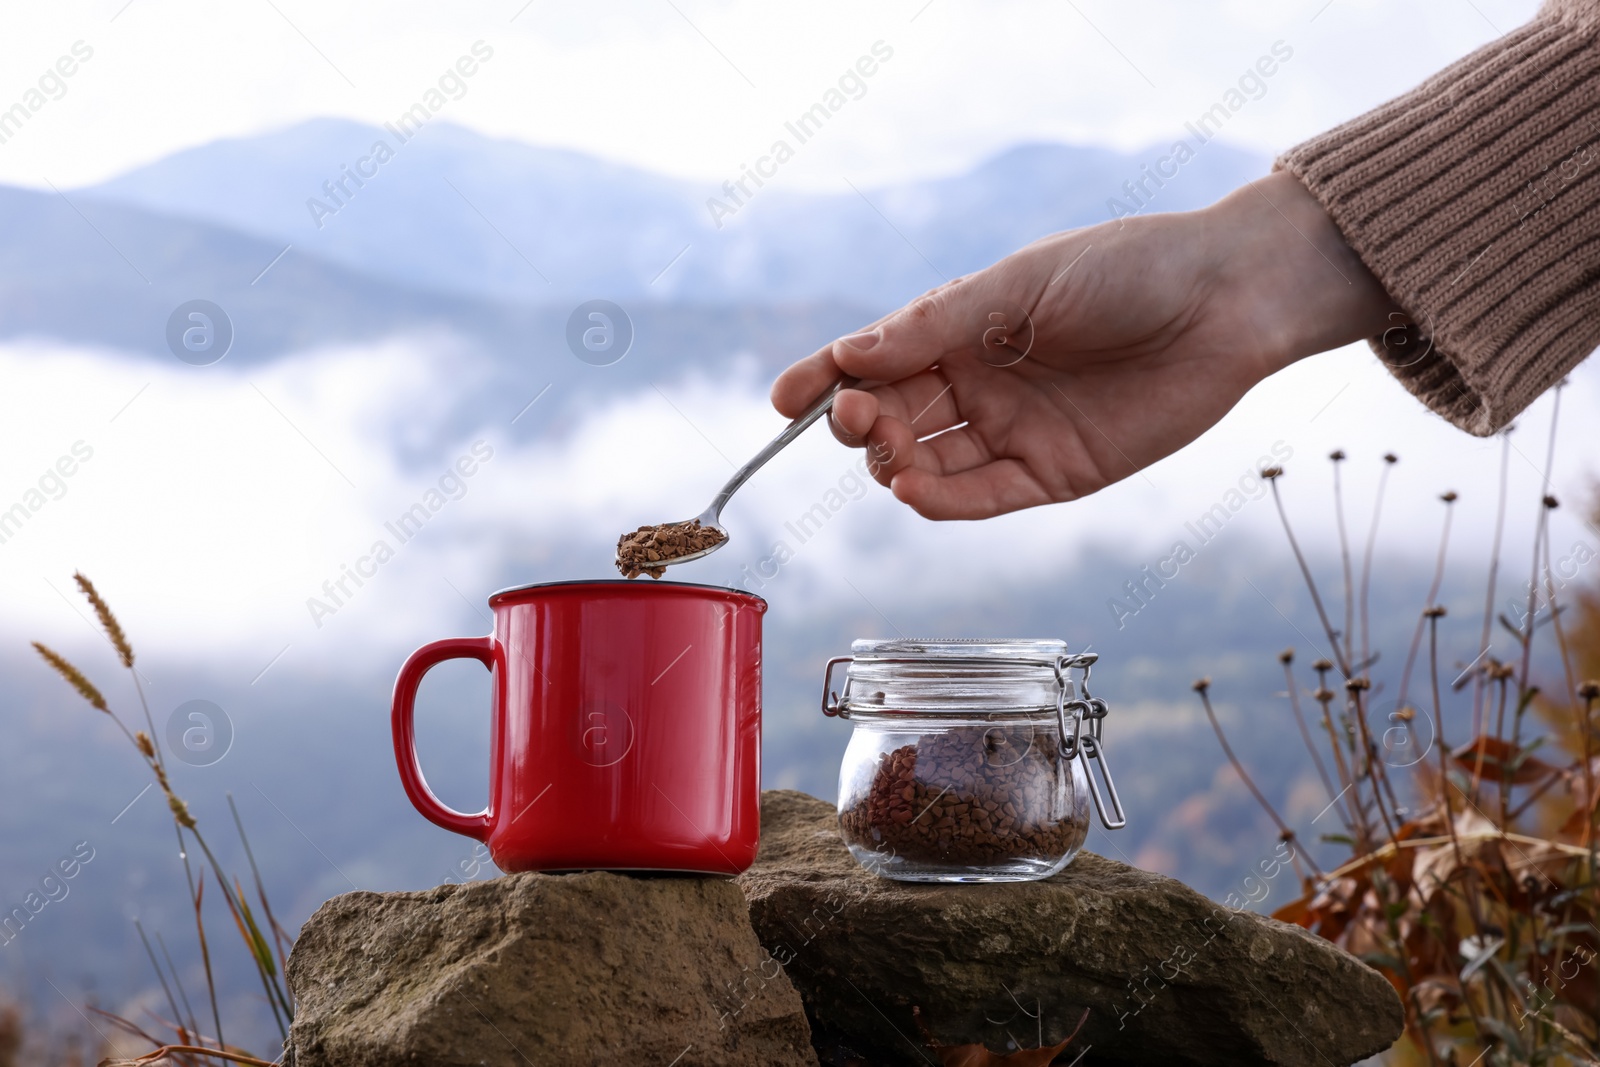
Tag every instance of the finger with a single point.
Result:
(854, 412)
(980, 493)
(892, 447)
(925, 402)
(798, 387)
(937, 325)
(956, 451)
(802, 382)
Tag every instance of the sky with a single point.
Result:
(697, 89)
(196, 476)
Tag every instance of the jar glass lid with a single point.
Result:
(952, 675)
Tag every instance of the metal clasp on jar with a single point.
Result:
(1091, 745)
(831, 703)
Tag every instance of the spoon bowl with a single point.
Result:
(711, 517)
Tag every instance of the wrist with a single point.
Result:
(1299, 286)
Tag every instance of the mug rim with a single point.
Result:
(654, 584)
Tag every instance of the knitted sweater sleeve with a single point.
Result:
(1475, 200)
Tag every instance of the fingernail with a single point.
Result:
(860, 342)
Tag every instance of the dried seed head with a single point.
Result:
(180, 811)
(1202, 685)
(1322, 695)
(1322, 665)
(1449, 496)
(102, 611)
(1502, 671)
(74, 677)
(1390, 457)
(1270, 473)
(1358, 684)
(1406, 714)
(1589, 690)
(1286, 656)
(1286, 834)
(1436, 611)
(1337, 455)
(1551, 502)
(146, 746)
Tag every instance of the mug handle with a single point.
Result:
(485, 651)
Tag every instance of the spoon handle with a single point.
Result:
(818, 408)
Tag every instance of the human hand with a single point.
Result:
(1144, 333)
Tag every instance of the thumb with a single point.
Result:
(936, 326)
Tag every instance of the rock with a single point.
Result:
(1171, 978)
(593, 969)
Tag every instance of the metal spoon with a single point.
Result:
(712, 516)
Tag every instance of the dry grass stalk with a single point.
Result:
(74, 677)
(108, 621)
(191, 1043)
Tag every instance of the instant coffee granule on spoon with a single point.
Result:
(649, 548)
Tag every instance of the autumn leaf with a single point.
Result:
(1296, 912)
(1502, 761)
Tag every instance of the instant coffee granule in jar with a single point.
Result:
(970, 795)
(969, 761)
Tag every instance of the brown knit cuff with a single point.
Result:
(1475, 200)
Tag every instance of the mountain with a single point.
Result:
(455, 211)
(96, 272)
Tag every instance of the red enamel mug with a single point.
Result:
(626, 728)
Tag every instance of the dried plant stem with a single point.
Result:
(1433, 596)
(1324, 697)
(1434, 614)
(149, 721)
(234, 904)
(1344, 556)
(261, 890)
(1525, 670)
(194, 1024)
(1378, 778)
(155, 1057)
(1285, 833)
(273, 994)
(205, 955)
(160, 974)
(1311, 584)
(1590, 691)
(1501, 679)
(1392, 848)
(1533, 797)
(1366, 563)
(1421, 1035)
(1579, 718)
(1479, 713)
(1541, 540)
(1305, 732)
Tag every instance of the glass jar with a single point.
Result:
(969, 759)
